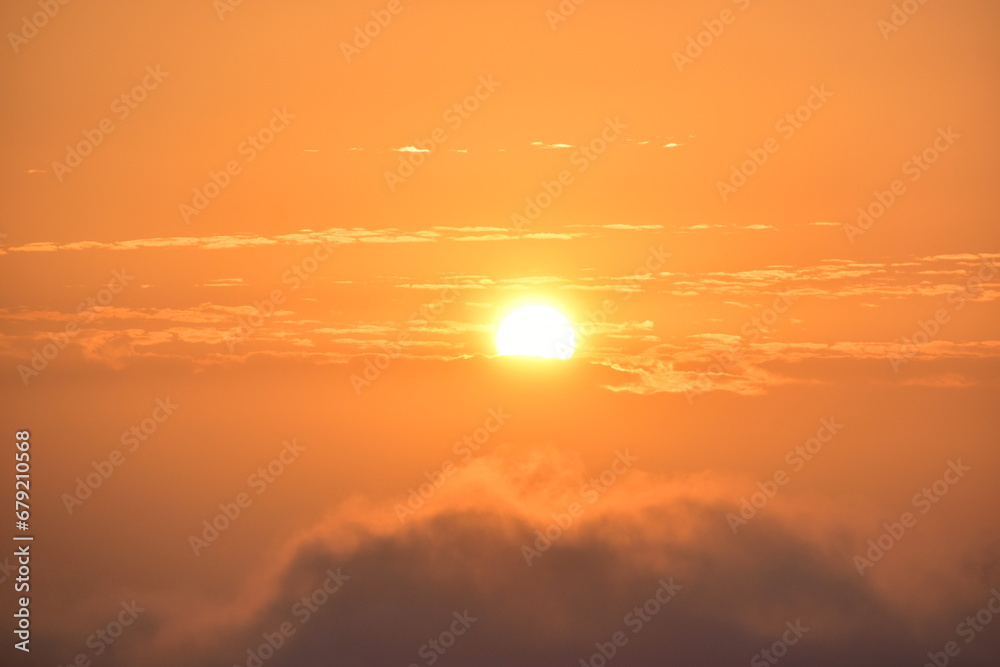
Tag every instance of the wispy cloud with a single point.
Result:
(619, 226)
(333, 235)
(725, 229)
(545, 146)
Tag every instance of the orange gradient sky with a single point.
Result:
(253, 258)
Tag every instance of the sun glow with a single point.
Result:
(536, 331)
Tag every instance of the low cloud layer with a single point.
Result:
(525, 558)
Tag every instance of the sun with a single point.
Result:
(536, 331)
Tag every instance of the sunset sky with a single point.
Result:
(255, 255)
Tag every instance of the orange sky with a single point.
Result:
(240, 235)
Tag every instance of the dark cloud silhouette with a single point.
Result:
(364, 589)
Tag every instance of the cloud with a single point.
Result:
(726, 229)
(225, 282)
(395, 585)
(836, 278)
(111, 348)
(619, 226)
(544, 146)
(336, 235)
(721, 362)
(670, 143)
(187, 332)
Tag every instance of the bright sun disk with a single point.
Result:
(536, 331)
